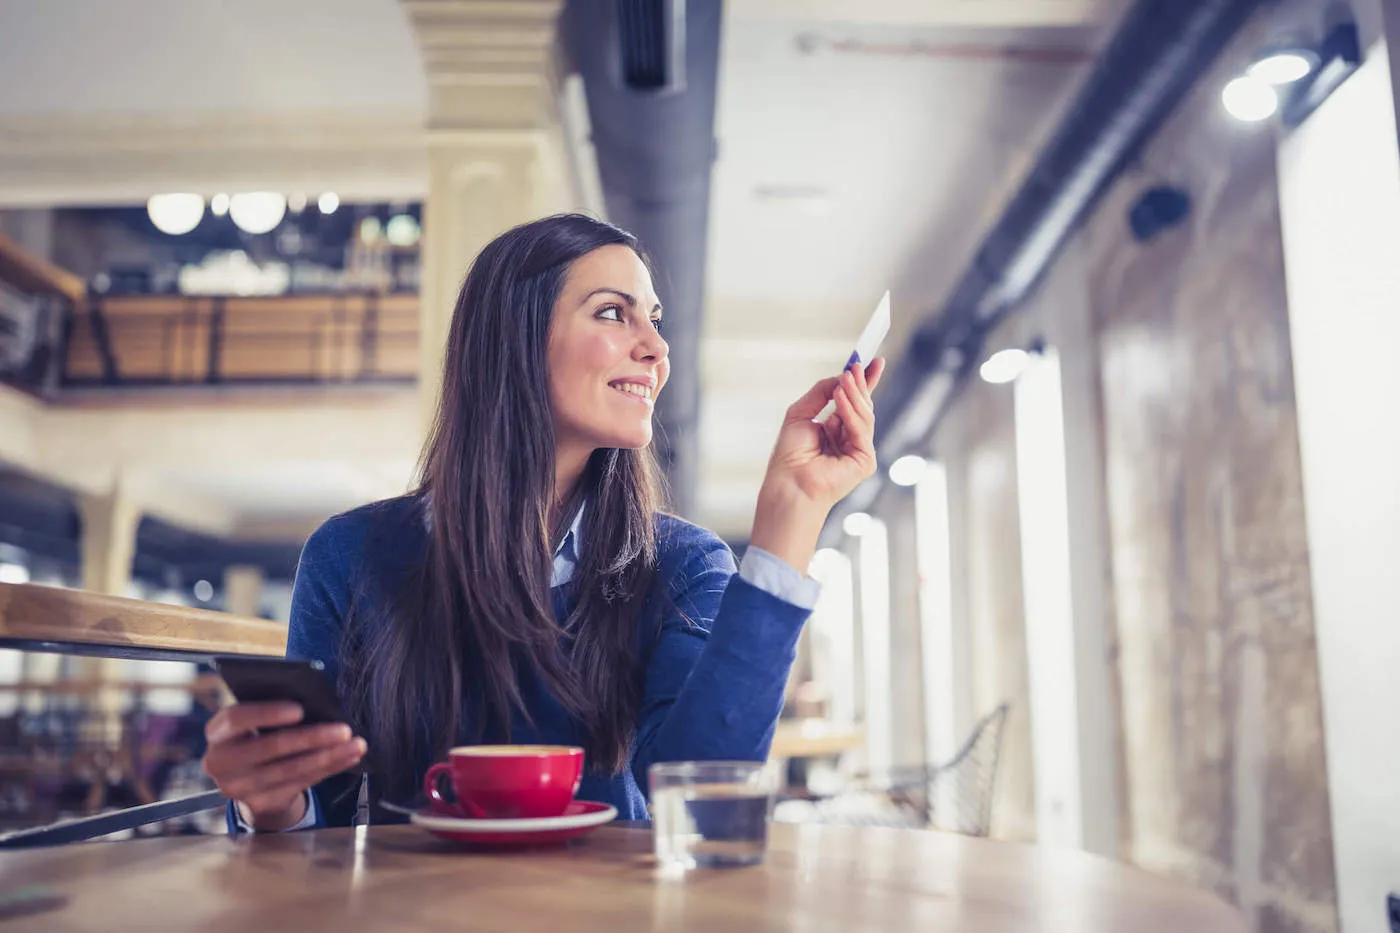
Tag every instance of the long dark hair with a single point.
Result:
(477, 615)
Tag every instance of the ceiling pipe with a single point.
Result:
(650, 70)
(1158, 52)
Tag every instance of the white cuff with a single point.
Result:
(308, 819)
(777, 577)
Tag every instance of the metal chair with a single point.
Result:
(955, 796)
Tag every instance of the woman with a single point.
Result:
(530, 590)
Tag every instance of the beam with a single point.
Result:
(929, 13)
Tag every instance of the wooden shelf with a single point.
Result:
(33, 613)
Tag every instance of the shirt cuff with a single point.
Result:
(308, 820)
(777, 577)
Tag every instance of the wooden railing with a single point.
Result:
(49, 619)
(46, 618)
(174, 339)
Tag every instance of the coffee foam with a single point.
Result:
(512, 751)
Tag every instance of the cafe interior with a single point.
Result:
(1105, 644)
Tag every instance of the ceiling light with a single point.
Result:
(1284, 66)
(857, 524)
(1004, 366)
(328, 202)
(296, 203)
(908, 470)
(218, 205)
(175, 214)
(1250, 99)
(402, 230)
(14, 573)
(257, 211)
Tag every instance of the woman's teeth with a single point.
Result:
(631, 388)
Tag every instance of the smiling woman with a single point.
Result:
(531, 590)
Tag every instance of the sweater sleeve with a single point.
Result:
(716, 674)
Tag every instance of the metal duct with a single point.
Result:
(649, 70)
(1158, 52)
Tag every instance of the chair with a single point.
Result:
(955, 796)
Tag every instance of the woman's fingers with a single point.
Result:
(241, 719)
(284, 778)
(853, 387)
(293, 742)
(874, 373)
(810, 404)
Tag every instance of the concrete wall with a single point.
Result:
(1222, 740)
(1212, 664)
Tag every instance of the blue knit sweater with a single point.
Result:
(716, 653)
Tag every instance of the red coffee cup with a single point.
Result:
(507, 781)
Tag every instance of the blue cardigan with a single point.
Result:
(716, 653)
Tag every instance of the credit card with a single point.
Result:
(874, 334)
(867, 345)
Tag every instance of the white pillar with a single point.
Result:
(480, 184)
(1339, 198)
(906, 685)
(108, 548)
(108, 540)
(243, 591)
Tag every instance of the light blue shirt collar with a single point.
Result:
(566, 556)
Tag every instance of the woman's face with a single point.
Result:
(607, 361)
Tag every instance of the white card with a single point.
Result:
(874, 334)
(867, 345)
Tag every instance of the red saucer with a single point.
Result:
(581, 818)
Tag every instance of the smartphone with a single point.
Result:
(260, 680)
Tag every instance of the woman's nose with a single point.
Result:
(652, 346)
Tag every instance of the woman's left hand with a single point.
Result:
(824, 462)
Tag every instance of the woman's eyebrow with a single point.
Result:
(631, 302)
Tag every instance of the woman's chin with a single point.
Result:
(633, 439)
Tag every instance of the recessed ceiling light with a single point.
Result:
(1250, 99)
(1284, 66)
(1004, 366)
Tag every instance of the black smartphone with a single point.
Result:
(261, 680)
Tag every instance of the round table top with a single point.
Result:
(816, 878)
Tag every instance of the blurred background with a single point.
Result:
(1122, 583)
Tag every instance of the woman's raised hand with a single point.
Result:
(814, 466)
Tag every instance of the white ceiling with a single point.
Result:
(260, 56)
(853, 159)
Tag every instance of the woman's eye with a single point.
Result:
(610, 313)
(656, 322)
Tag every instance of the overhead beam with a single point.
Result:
(930, 13)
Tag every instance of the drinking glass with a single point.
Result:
(711, 813)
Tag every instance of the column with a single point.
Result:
(905, 645)
(109, 540)
(243, 590)
(109, 521)
(480, 184)
(494, 156)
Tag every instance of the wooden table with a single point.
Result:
(816, 878)
(811, 738)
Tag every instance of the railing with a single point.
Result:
(47, 619)
(180, 340)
